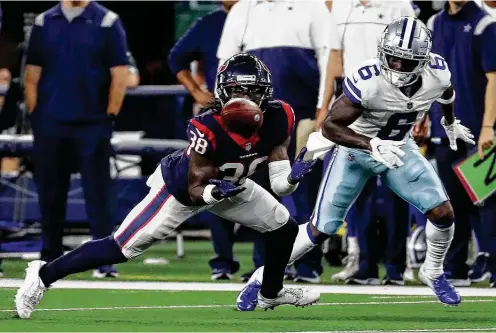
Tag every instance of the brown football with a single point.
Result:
(242, 116)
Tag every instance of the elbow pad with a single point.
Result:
(318, 145)
(278, 174)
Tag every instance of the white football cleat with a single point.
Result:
(350, 269)
(31, 291)
(290, 296)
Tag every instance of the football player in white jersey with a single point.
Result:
(370, 125)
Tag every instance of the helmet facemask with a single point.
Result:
(401, 71)
(256, 93)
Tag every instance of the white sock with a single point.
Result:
(302, 244)
(438, 243)
(353, 247)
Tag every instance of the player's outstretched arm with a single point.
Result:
(203, 187)
(284, 179)
(446, 101)
(454, 129)
(201, 170)
(342, 114)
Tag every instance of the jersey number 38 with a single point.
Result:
(238, 172)
(241, 171)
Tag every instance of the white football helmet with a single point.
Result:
(404, 50)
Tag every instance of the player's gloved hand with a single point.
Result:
(224, 189)
(300, 168)
(387, 152)
(457, 131)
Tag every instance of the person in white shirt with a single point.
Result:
(488, 5)
(356, 29)
(291, 38)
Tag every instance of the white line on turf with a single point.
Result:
(402, 297)
(433, 330)
(206, 286)
(209, 306)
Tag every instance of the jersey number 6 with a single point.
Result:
(240, 171)
(397, 126)
(366, 72)
(437, 63)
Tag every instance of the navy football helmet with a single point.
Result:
(246, 76)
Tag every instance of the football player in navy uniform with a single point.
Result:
(211, 174)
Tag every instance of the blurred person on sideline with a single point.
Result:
(465, 35)
(76, 77)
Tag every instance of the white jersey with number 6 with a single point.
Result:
(388, 114)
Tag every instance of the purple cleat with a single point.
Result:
(443, 289)
(248, 297)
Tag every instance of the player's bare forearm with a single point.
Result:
(186, 78)
(447, 109)
(201, 170)
(486, 136)
(31, 79)
(342, 114)
(132, 80)
(280, 153)
(117, 91)
(200, 96)
(490, 101)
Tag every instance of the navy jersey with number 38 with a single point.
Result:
(237, 157)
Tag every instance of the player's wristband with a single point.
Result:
(207, 195)
(447, 101)
(291, 181)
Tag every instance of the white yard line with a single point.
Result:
(435, 330)
(402, 297)
(209, 306)
(212, 286)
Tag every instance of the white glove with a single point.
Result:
(457, 131)
(317, 145)
(387, 152)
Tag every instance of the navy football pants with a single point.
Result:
(54, 160)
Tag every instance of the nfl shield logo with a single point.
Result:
(248, 146)
(409, 105)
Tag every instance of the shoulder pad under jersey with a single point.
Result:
(363, 81)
